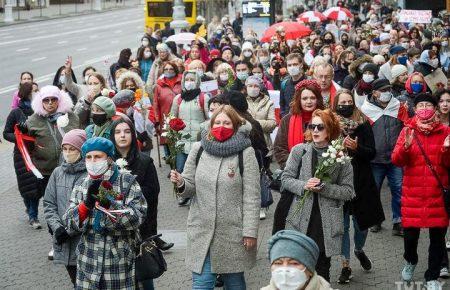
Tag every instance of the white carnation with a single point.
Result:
(325, 154)
(333, 155)
(62, 121)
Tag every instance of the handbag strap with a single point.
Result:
(428, 162)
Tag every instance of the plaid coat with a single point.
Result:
(106, 261)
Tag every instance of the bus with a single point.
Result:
(158, 12)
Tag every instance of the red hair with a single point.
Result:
(331, 123)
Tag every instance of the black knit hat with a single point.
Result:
(237, 101)
(424, 97)
(380, 84)
(373, 68)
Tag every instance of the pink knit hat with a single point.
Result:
(75, 137)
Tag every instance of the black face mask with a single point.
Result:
(99, 119)
(132, 89)
(328, 41)
(345, 110)
(344, 41)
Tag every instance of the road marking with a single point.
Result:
(62, 42)
(82, 49)
(70, 32)
(22, 49)
(38, 59)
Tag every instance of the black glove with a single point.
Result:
(22, 126)
(92, 192)
(61, 235)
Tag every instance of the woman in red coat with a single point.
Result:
(422, 204)
(167, 87)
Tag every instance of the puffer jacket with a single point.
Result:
(422, 198)
(56, 202)
(263, 111)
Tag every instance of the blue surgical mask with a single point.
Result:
(416, 87)
(169, 75)
(242, 75)
(402, 59)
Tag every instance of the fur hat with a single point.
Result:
(65, 103)
(237, 101)
(129, 75)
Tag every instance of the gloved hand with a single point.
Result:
(22, 126)
(61, 235)
(92, 192)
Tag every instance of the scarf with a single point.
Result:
(237, 143)
(190, 95)
(427, 126)
(171, 82)
(348, 125)
(25, 106)
(53, 117)
(296, 125)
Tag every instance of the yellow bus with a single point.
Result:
(158, 12)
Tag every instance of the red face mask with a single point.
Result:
(425, 114)
(221, 133)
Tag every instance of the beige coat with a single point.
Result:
(316, 283)
(263, 111)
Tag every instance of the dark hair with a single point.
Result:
(438, 94)
(329, 33)
(296, 105)
(413, 51)
(88, 68)
(25, 91)
(26, 73)
(248, 64)
(173, 64)
(58, 74)
(219, 99)
(133, 153)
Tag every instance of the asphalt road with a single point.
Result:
(42, 47)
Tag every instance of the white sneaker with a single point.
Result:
(262, 214)
(447, 245)
(408, 272)
(434, 285)
(444, 273)
(50, 255)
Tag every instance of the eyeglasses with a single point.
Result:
(169, 69)
(312, 127)
(50, 100)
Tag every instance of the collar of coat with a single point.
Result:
(374, 112)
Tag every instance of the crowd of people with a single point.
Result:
(271, 109)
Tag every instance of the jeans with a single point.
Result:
(180, 161)
(359, 236)
(394, 175)
(436, 250)
(32, 206)
(206, 280)
(166, 150)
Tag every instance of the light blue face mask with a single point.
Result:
(169, 75)
(242, 75)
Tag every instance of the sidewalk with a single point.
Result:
(56, 11)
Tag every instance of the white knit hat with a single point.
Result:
(377, 59)
(247, 45)
(397, 70)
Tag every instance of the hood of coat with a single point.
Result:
(73, 168)
(129, 75)
(65, 104)
(354, 66)
(408, 83)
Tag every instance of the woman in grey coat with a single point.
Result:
(221, 176)
(57, 196)
(321, 216)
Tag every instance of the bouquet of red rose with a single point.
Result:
(106, 194)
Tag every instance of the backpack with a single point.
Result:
(201, 103)
(241, 159)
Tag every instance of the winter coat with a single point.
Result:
(263, 111)
(354, 75)
(82, 110)
(224, 209)
(147, 177)
(103, 131)
(154, 74)
(26, 180)
(385, 71)
(108, 257)
(56, 202)
(79, 91)
(422, 204)
(331, 197)
(339, 74)
(47, 149)
(386, 124)
(366, 205)
(287, 92)
(163, 98)
(315, 283)
(193, 115)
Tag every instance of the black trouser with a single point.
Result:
(72, 270)
(281, 212)
(436, 249)
(323, 266)
(152, 215)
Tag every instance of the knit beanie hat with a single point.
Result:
(98, 144)
(124, 99)
(371, 67)
(75, 137)
(397, 70)
(163, 47)
(237, 100)
(247, 45)
(378, 59)
(380, 84)
(107, 105)
(295, 245)
(425, 97)
(254, 80)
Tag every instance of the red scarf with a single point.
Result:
(296, 123)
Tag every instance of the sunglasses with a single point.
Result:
(312, 127)
(50, 100)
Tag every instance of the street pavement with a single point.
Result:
(23, 251)
(42, 47)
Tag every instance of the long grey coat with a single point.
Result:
(331, 197)
(224, 210)
(56, 202)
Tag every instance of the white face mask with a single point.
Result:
(293, 70)
(86, 78)
(289, 278)
(263, 59)
(97, 168)
(200, 72)
(445, 43)
(253, 92)
(62, 79)
(247, 53)
(95, 89)
(189, 85)
(223, 77)
(327, 57)
(71, 157)
(147, 54)
(259, 75)
(385, 97)
(144, 42)
(210, 114)
(368, 78)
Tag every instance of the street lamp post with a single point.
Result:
(179, 16)
(8, 11)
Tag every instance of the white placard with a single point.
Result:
(415, 16)
(209, 86)
(275, 97)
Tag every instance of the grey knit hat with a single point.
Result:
(254, 80)
(295, 245)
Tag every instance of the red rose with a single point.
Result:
(107, 185)
(177, 124)
(111, 94)
(119, 197)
